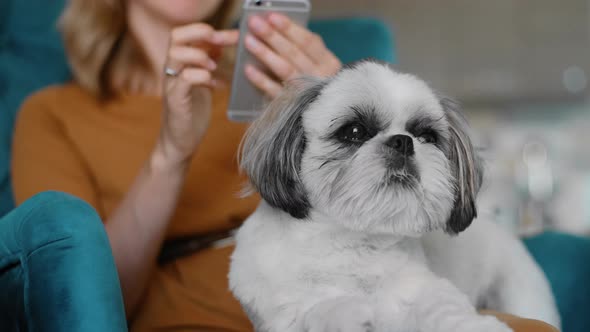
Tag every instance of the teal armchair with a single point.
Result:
(57, 272)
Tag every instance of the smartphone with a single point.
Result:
(247, 101)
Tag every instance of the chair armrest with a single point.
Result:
(565, 260)
(57, 269)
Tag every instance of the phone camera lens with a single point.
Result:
(258, 2)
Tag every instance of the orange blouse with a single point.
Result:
(66, 140)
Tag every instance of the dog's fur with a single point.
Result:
(361, 176)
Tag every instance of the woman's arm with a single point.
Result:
(137, 227)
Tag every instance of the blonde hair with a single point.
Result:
(103, 56)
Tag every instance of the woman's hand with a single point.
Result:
(187, 97)
(288, 50)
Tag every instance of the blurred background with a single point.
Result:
(521, 69)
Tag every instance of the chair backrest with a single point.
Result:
(356, 38)
(31, 57)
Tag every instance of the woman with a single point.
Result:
(156, 172)
(154, 152)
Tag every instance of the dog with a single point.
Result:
(363, 177)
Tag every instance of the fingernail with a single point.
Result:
(211, 65)
(277, 20)
(217, 38)
(257, 24)
(249, 70)
(251, 42)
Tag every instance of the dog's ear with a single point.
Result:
(273, 146)
(466, 168)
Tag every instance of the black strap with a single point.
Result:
(184, 246)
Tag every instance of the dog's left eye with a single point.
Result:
(353, 133)
(427, 137)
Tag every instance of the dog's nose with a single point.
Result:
(402, 144)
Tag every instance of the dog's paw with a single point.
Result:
(340, 316)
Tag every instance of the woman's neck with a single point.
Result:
(152, 34)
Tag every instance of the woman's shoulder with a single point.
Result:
(55, 101)
(59, 94)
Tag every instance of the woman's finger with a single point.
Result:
(262, 81)
(281, 45)
(196, 76)
(180, 57)
(182, 84)
(203, 33)
(309, 42)
(279, 66)
(192, 33)
(225, 37)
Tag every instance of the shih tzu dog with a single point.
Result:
(363, 177)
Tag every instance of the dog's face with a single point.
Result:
(370, 148)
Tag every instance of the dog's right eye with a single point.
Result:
(353, 133)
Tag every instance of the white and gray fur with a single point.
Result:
(363, 177)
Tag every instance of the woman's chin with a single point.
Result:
(182, 12)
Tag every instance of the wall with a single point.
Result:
(487, 51)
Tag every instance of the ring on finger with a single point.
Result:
(171, 72)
